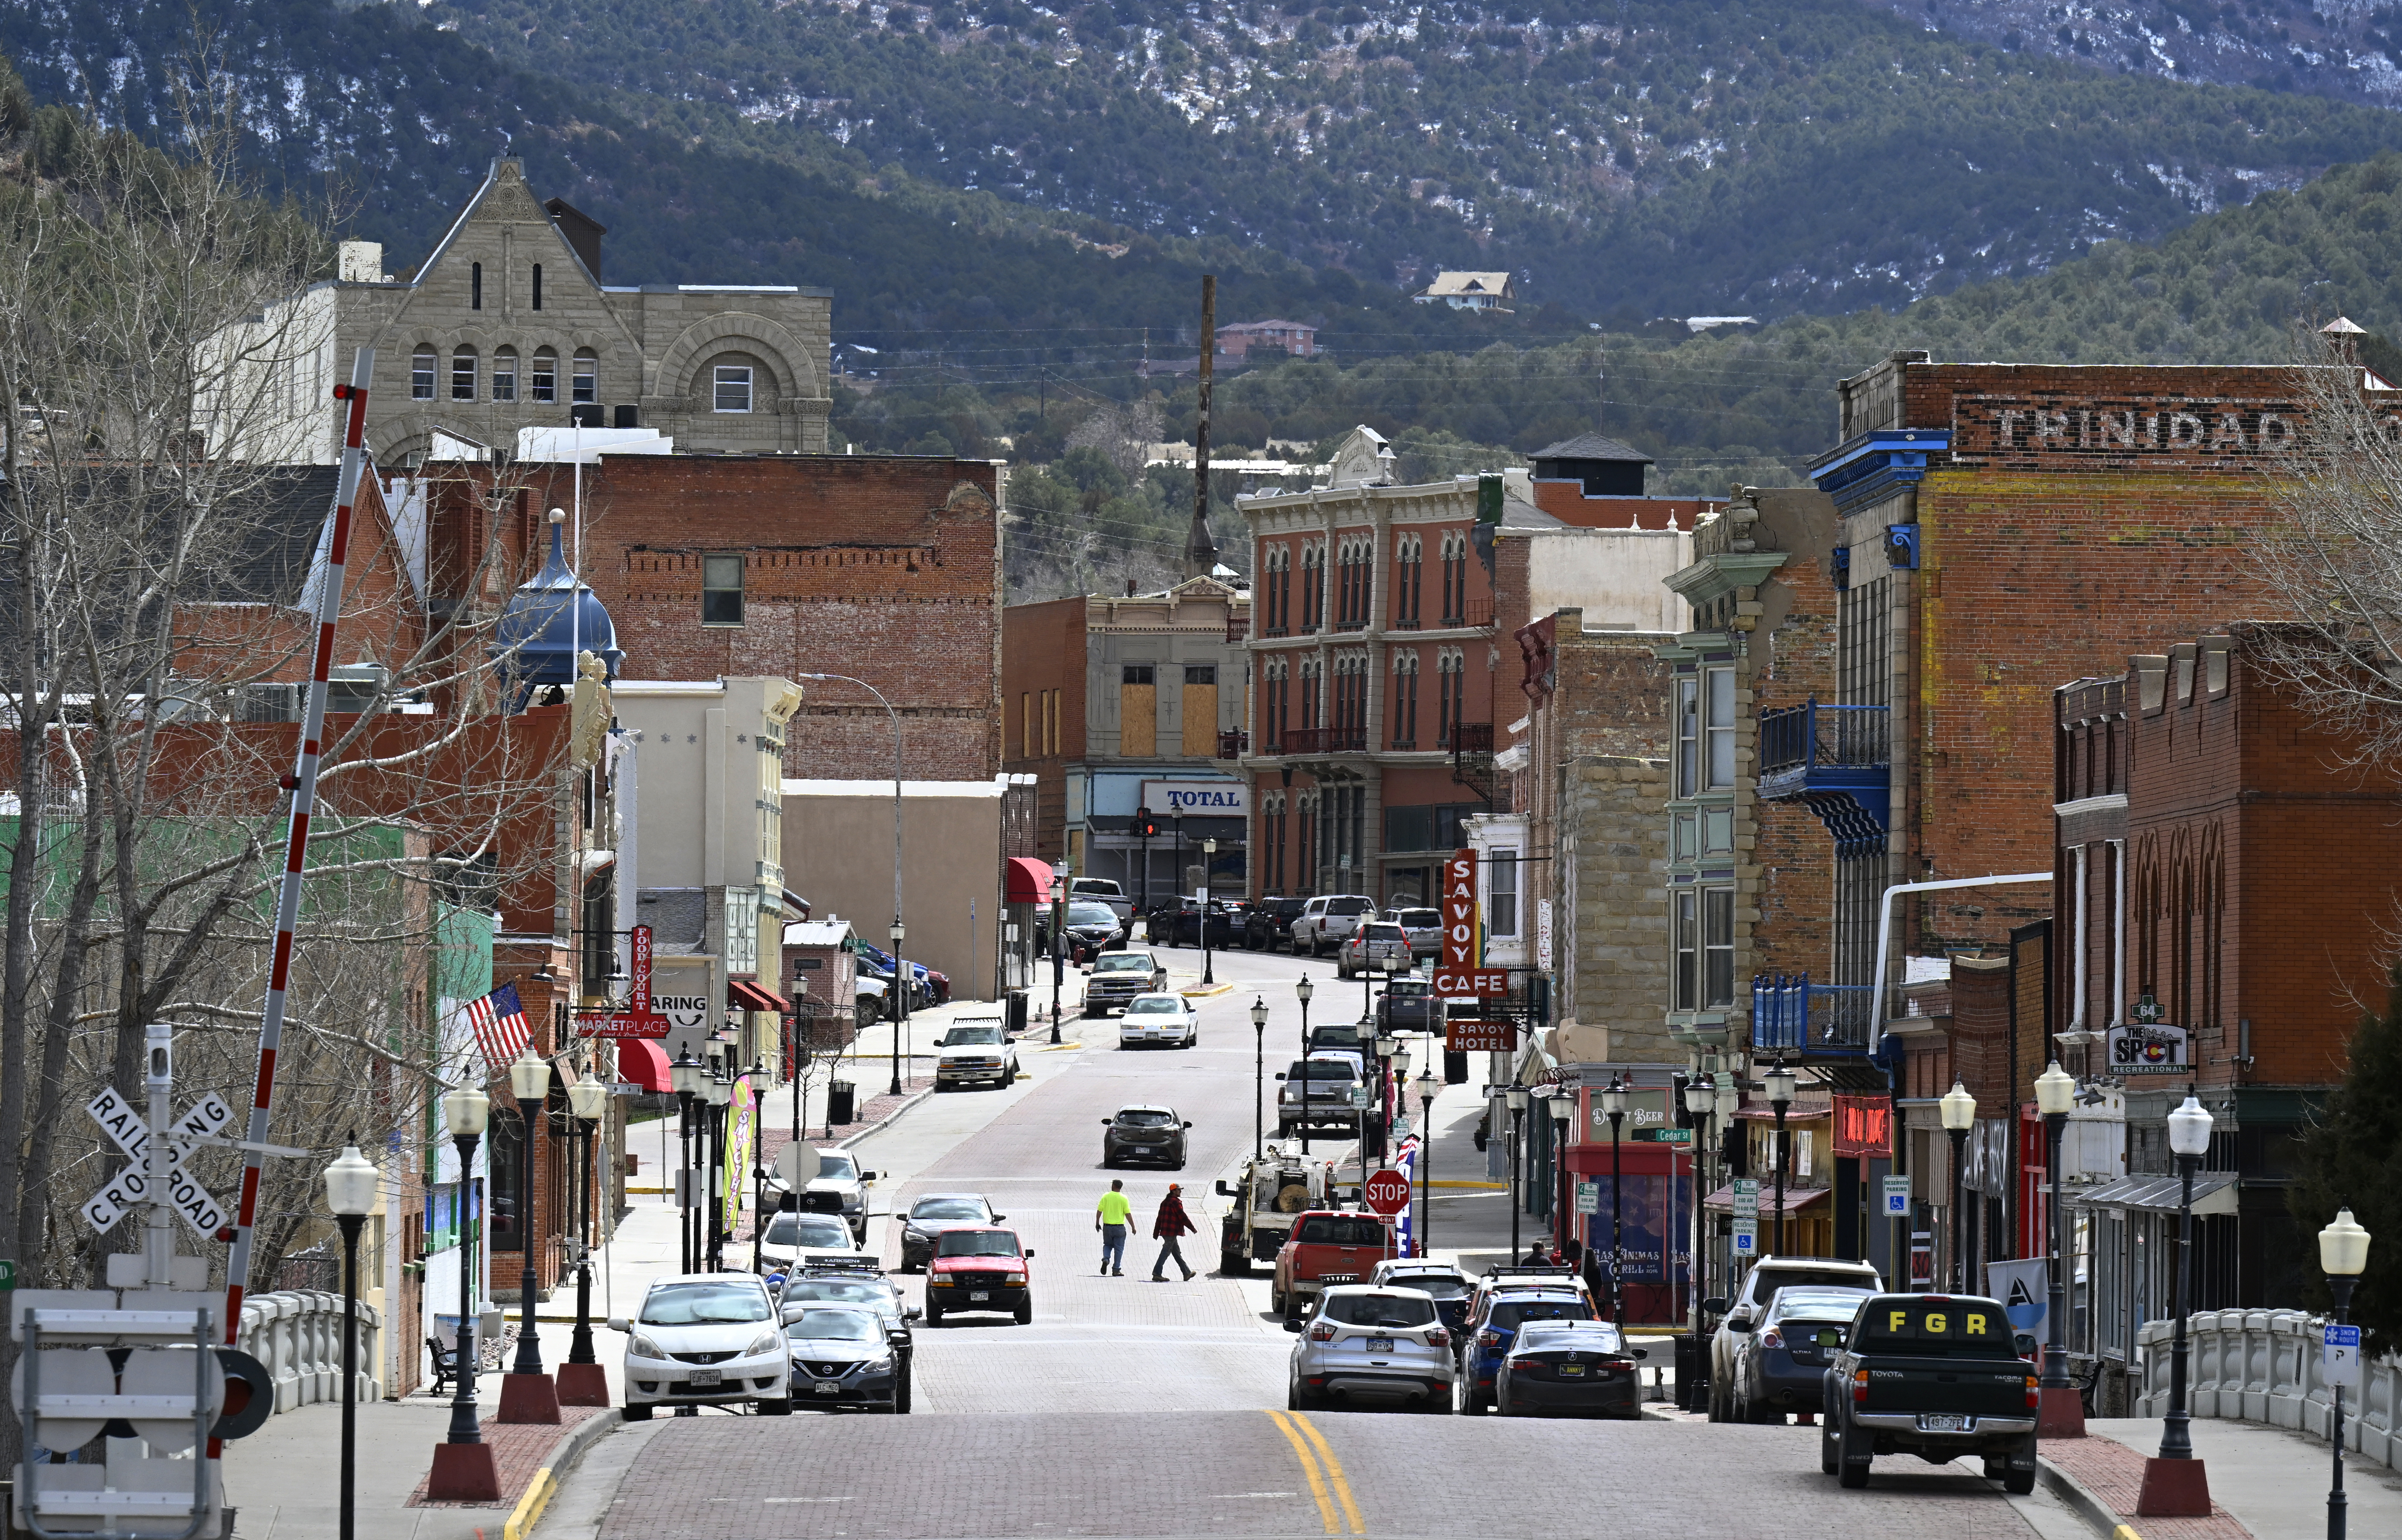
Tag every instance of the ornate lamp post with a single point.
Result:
(351, 1183)
(685, 1076)
(1208, 855)
(1303, 989)
(1613, 1106)
(1700, 1101)
(464, 1470)
(2343, 1256)
(2174, 1482)
(2062, 1414)
(581, 1382)
(1058, 952)
(1517, 1098)
(1259, 1075)
(1780, 1096)
(901, 981)
(1385, 1046)
(1959, 1117)
(758, 1073)
(527, 1394)
(720, 1093)
(1429, 1086)
(1562, 1108)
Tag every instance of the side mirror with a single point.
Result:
(1640, 1352)
(1105, 1122)
(867, 1175)
(913, 1314)
(1225, 1191)
(998, 1218)
(1279, 1074)
(1188, 1125)
(1714, 1307)
(618, 1323)
(1027, 1254)
(1291, 1324)
(1739, 1323)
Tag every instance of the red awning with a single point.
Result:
(742, 995)
(1030, 880)
(643, 1062)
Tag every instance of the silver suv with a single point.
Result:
(1370, 1343)
(1424, 927)
(1325, 922)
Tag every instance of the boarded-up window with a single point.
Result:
(1138, 711)
(1200, 705)
(1028, 733)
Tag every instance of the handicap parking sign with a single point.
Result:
(1746, 1238)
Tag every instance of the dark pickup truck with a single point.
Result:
(1938, 1375)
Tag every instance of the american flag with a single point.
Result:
(500, 1023)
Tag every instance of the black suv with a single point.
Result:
(1268, 925)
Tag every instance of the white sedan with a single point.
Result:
(1162, 1018)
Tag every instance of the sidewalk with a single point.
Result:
(2265, 1482)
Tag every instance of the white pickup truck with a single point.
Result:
(1102, 890)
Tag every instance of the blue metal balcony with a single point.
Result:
(1835, 759)
(1790, 1014)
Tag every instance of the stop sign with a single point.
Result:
(1387, 1191)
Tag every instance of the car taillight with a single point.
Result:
(1860, 1386)
(1322, 1332)
(1438, 1338)
(2034, 1396)
(1488, 1339)
(1615, 1366)
(1772, 1337)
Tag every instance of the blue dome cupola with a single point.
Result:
(549, 619)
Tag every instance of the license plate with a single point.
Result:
(1571, 1371)
(1380, 1345)
(1340, 1278)
(979, 1293)
(829, 1387)
(1941, 1421)
(706, 1377)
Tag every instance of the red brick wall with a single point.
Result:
(1044, 649)
(884, 567)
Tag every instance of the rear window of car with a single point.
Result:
(1565, 1335)
(1512, 1314)
(1379, 1309)
(1336, 1037)
(1934, 1328)
(1096, 884)
(1441, 1286)
(1382, 932)
(1770, 1282)
(1817, 1304)
(1348, 906)
(1145, 1118)
(1124, 962)
(1419, 918)
(1331, 1230)
(1322, 1070)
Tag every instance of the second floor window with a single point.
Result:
(462, 375)
(422, 366)
(1501, 892)
(733, 388)
(588, 377)
(1704, 728)
(505, 375)
(721, 590)
(1701, 942)
(542, 383)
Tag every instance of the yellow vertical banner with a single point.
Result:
(740, 1130)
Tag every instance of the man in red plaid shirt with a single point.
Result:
(1172, 1222)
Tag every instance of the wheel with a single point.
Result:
(1501, 1407)
(1024, 1313)
(775, 1408)
(1718, 1405)
(1294, 1400)
(1437, 1406)
(1234, 1264)
(900, 1394)
(1763, 1415)
(2018, 1483)
(934, 1313)
(636, 1412)
(1466, 1402)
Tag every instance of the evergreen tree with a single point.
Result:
(2352, 1157)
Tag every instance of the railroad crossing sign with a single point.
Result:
(132, 1134)
(637, 1020)
(1387, 1191)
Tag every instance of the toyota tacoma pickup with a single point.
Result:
(1328, 1246)
(1937, 1376)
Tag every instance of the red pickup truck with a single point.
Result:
(1327, 1246)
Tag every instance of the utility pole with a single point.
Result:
(1200, 551)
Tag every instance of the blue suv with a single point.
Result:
(1494, 1325)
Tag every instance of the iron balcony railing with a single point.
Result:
(1233, 745)
(1788, 1012)
(1816, 737)
(1324, 740)
(1470, 737)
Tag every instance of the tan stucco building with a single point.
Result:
(507, 325)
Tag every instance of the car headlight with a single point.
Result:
(878, 1366)
(642, 1347)
(1015, 1280)
(768, 1342)
(911, 1232)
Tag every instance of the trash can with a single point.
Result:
(1690, 1395)
(1016, 1011)
(842, 1106)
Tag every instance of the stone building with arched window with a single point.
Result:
(508, 326)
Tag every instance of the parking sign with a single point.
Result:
(1897, 1197)
(1746, 1238)
(2340, 1357)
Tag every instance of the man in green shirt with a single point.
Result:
(1113, 1218)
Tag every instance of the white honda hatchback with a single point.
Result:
(706, 1339)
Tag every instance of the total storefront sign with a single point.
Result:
(1198, 799)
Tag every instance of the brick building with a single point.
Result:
(2226, 870)
(886, 568)
(1120, 703)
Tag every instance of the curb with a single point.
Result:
(889, 1118)
(2076, 1496)
(544, 1485)
(1199, 993)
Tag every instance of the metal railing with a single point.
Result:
(1324, 740)
(1233, 745)
(1472, 612)
(1789, 1013)
(1818, 736)
(1470, 737)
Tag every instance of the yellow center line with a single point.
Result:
(1334, 1472)
(1309, 1468)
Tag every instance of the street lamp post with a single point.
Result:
(1301, 991)
(1562, 1108)
(2175, 1483)
(899, 1002)
(527, 1394)
(1517, 1098)
(1700, 1101)
(684, 1076)
(758, 1172)
(1259, 1076)
(581, 1382)
(1387, 1046)
(463, 1469)
(1393, 966)
(1959, 1117)
(2055, 1093)
(351, 1183)
(2344, 1255)
(899, 981)
(1613, 1106)
(1208, 855)
(1058, 949)
(1429, 1086)
(1780, 1097)
(720, 1093)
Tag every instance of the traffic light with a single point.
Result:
(1145, 826)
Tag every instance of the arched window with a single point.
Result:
(1405, 700)
(505, 375)
(542, 383)
(423, 365)
(462, 375)
(588, 376)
